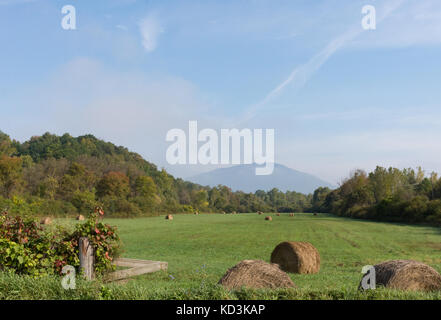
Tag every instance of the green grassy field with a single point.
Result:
(199, 249)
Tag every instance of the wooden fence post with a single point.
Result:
(86, 258)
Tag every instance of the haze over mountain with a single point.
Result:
(243, 177)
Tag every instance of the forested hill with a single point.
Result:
(59, 175)
(391, 194)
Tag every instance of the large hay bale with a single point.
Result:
(80, 217)
(46, 220)
(407, 275)
(259, 212)
(278, 214)
(296, 257)
(291, 214)
(169, 217)
(255, 274)
(268, 218)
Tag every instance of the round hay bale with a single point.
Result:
(80, 217)
(291, 214)
(278, 214)
(296, 257)
(259, 212)
(256, 274)
(268, 218)
(196, 213)
(46, 220)
(406, 275)
(169, 217)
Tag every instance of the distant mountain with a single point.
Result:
(243, 177)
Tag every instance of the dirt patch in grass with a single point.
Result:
(434, 245)
(351, 242)
(426, 244)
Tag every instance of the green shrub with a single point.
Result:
(26, 248)
(14, 256)
(104, 239)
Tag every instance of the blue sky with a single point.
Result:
(338, 97)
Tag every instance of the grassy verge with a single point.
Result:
(14, 287)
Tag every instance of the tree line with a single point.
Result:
(65, 175)
(384, 195)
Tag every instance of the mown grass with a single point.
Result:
(14, 287)
(199, 249)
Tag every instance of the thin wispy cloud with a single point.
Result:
(301, 74)
(150, 29)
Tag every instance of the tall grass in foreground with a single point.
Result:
(14, 287)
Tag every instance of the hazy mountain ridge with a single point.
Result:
(243, 178)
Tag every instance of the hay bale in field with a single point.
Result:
(268, 218)
(196, 213)
(46, 220)
(80, 217)
(291, 214)
(406, 275)
(296, 257)
(255, 274)
(278, 214)
(259, 212)
(169, 217)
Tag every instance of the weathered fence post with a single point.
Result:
(86, 258)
